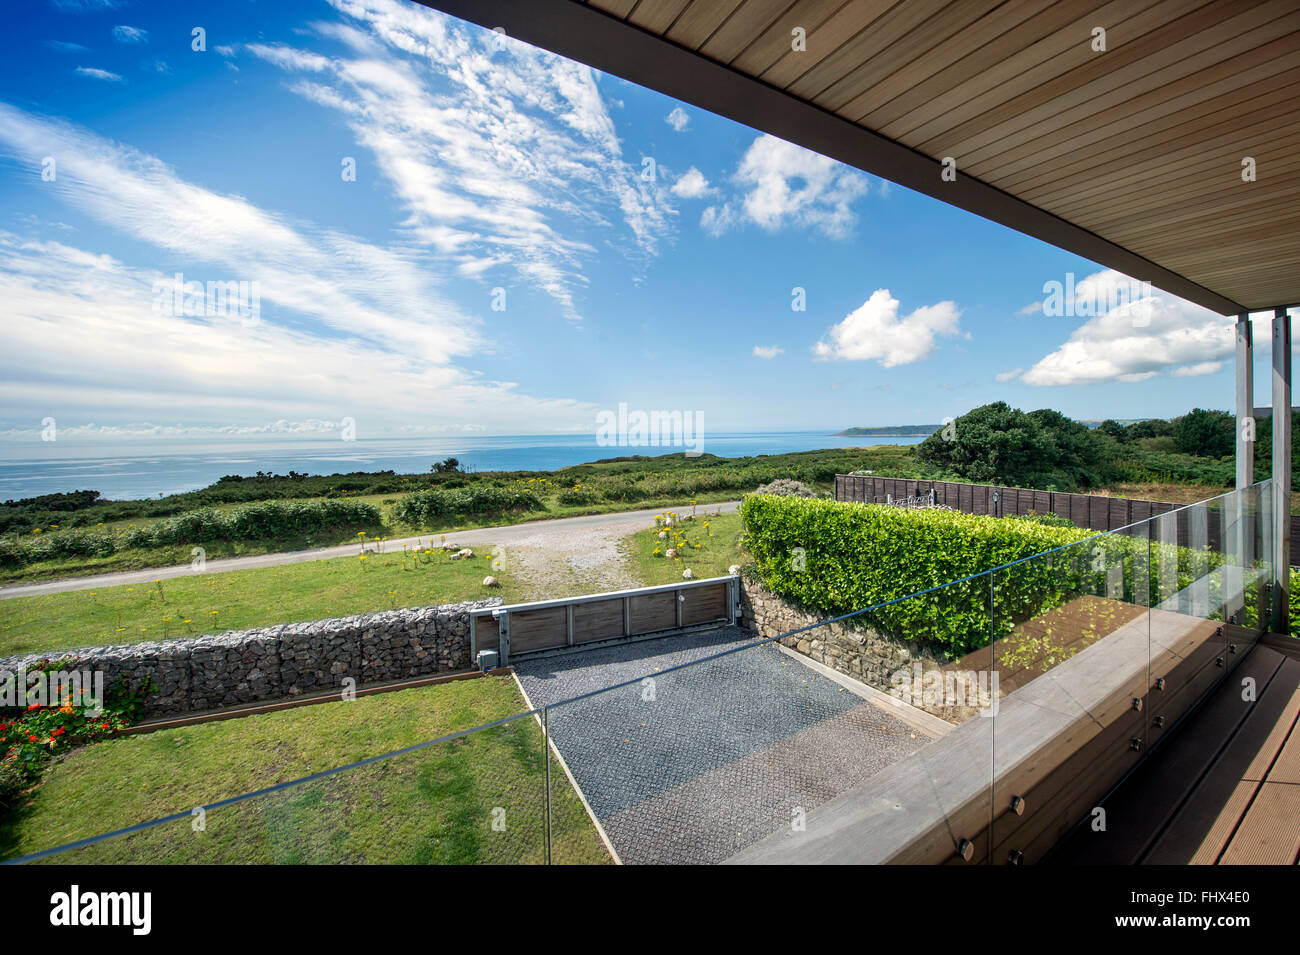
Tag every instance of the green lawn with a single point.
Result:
(436, 805)
(705, 555)
(234, 600)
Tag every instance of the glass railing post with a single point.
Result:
(546, 748)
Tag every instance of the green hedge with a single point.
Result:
(431, 506)
(860, 555)
(249, 522)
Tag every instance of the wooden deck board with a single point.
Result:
(1138, 813)
(1270, 832)
(1226, 788)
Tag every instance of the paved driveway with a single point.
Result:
(707, 759)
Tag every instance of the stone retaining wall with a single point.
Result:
(851, 648)
(283, 661)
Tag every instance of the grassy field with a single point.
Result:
(436, 805)
(238, 599)
(712, 543)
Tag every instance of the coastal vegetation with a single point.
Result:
(57, 535)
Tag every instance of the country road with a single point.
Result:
(532, 537)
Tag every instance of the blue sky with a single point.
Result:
(649, 252)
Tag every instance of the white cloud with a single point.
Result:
(715, 220)
(1136, 340)
(787, 185)
(1197, 370)
(677, 119)
(95, 73)
(130, 35)
(875, 332)
(767, 351)
(385, 295)
(691, 185)
(82, 335)
(498, 151)
(1009, 375)
(62, 46)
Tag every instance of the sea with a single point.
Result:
(154, 468)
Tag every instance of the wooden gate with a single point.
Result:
(572, 623)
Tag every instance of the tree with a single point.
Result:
(446, 466)
(1210, 434)
(993, 443)
(1116, 430)
(998, 444)
(1149, 428)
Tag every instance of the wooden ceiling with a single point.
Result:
(1132, 157)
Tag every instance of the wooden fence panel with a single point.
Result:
(542, 629)
(652, 612)
(704, 604)
(599, 620)
(1091, 511)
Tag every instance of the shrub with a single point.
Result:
(1048, 519)
(259, 521)
(427, 507)
(998, 444)
(859, 555)
(785, 487)
(579, 496)
(31, 734)
(1210, 434)
(839, 558)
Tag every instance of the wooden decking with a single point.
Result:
(1224, 789)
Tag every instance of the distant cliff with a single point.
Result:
(891, 431)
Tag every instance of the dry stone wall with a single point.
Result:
(849, 647)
